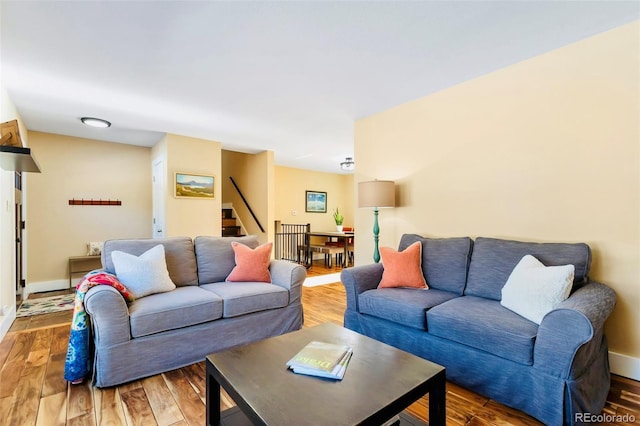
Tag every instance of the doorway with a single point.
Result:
(159, 185)
(19, 227)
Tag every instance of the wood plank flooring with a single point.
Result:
(34, 392)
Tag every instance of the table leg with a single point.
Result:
(437, 401)
(345, 262)
(213, 401)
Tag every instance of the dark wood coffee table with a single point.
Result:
(379, 383)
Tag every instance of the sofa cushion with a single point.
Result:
(486, 325)
(179, 308)
(145, 274)
(494, 259)
(533, 289)
(445, 261)
(216, 257)
(402, 268)
(406, 306)
(178, 251)
(246, 297)
(251, 264)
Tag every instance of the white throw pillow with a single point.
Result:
(533, 289)
(145, 274)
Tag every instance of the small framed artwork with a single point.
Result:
(315, 202)
(189, 185)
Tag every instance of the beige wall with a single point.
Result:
(544, 150)
(82, 168)
(291, 185)
(190, 217)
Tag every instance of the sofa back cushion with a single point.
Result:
(216, 258)
(181, 260)
(445, 261)
(493, 261)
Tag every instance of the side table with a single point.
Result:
(82, 265)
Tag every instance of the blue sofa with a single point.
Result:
(551, 371)
(202, 315)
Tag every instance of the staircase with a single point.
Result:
(229, 226)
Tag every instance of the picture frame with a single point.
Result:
(315, 202)
(192, 185)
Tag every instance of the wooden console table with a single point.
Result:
(82, 265)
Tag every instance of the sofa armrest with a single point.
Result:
(109, 316)
(571, 335)
(290, 276)
(359, 279)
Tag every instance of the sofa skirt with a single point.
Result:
(552, 400)
(170, 350)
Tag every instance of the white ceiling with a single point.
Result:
(291, 77)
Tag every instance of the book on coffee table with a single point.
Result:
(337, 372)
(321, 359)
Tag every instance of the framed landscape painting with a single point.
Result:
(189, 185)
(315, 202)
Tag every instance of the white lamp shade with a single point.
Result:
(376, 193)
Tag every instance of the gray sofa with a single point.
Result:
(551, 371)
(204, 314)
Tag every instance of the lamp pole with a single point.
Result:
(376, 232)
(376, 194)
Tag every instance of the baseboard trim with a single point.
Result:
(624, 365)
(41, 286)
(6, 321)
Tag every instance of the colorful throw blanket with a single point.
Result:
(79, 357)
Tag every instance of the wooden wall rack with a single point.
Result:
(92, 202)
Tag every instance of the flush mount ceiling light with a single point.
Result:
(348, 164)
(95, 122)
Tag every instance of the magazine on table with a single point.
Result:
(337, 372)
(321, 359)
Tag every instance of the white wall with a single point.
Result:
(7, 224)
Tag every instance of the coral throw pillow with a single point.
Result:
(251, 264)
(404, 268)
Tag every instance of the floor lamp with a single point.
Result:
(376, 194)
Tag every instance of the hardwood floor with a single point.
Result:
(33, 391)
